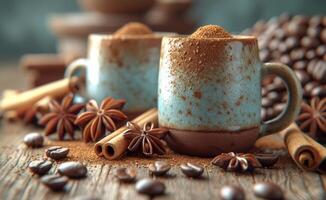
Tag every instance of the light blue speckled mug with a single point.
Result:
(209, 94)
(123, 67)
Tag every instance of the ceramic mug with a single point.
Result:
(124, 67)
(209, 94)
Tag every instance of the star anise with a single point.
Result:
(146, 139)
(236, 161)
(61, 117)
(312, 118)
(97, 119)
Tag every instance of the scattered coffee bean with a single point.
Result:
(125, 174)
(232, 193)
(192, 170)
(72, 169)
(159, 168)
(54, 182)
(268, 190)
(267, 160)
(150, 187)
(57, 152)
(34, 140)
(40, 167)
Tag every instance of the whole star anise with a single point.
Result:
(61, 117)
(97, 119)
(236, 161)
(312, 118)
(146, 139)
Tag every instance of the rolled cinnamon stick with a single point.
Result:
(28, 98)
(116, 145)
(98, 146)
(306, 152)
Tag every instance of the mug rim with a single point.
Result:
(111, 36)
(241, 38)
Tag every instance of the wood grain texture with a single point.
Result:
(17, 183)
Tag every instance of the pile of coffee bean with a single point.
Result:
(299, 42)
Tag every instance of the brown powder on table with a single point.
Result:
(80, 151)
(210, 31)
(133, 28)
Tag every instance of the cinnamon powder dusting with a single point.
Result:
(133, 28)
(210, 31)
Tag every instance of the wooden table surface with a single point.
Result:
(17, 183)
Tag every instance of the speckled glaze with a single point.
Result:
(123, 67)
(210, 94)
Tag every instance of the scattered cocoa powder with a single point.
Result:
(82, 152)
(210, 31)
(133, 28)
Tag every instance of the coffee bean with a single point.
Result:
(309, 87)
(192, 170)
(34, 140)
(319, 71)
(313, 31)
(278, 108)
(265, 102)
(311, 54)
(273, 96)
(282, 48)
(319, 91)
(273, 45)
(125, 174)
(267, 160)
(323, 35)
(150, 187)
(40, 167)
(268, 190)
(57, 152)
(232, 193)
(72, 169)
(285, 59)
(302, 76)
(292, 42)
(295, 29)
(159, 168)
(321, 50)
(280, 34)
(300, 65)
(309, 42)
(54, 182)
(316, 21)
(297, 54)
(263, 114)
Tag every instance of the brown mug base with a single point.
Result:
(209, 144)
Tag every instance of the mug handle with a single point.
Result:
(294, 91)
(74, 67)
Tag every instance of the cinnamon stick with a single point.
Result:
(306, 152)
(115, 145)
(98, 146)
(28, 98)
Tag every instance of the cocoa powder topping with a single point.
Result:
(133, 28)
(210, 31)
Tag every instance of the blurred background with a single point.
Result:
(24, 24)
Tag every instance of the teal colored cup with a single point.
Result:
(121, 67)
(209, 94)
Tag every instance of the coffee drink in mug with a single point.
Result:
(123, 65)
(209, 92)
